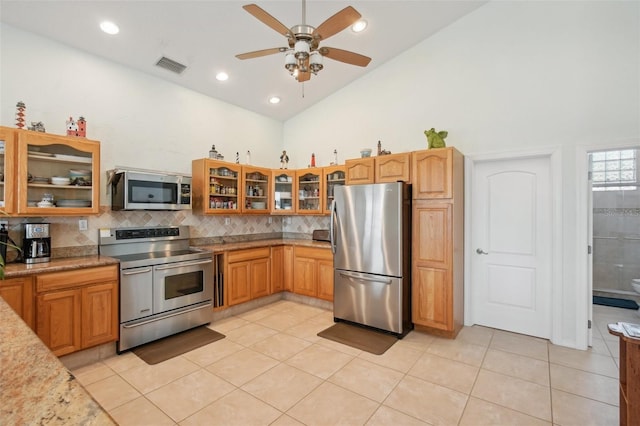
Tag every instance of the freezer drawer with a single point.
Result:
(372, 300)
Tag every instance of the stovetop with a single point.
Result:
(148, 246)
(161, 257)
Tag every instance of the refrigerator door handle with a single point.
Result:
(332, 230)
(365, 278)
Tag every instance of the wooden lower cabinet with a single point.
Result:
(249, 273)
(18, 293)
(281, 268)
(77, 309)
(313, 272)
(437, 285)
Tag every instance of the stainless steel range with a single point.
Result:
(166, 286)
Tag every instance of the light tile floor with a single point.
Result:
(272, 368)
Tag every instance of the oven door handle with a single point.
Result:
(136, 271)
(182, 264)
(203, 305)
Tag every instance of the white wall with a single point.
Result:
(141, 121)
(510, 76)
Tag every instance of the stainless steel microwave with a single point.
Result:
(137, 190)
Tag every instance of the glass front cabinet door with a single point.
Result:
(256, 185)
(309, 187)
(283, 191)
(333, 176)
(216, 186)
(7, 170)
(57, 175)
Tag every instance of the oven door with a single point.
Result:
(180, 284)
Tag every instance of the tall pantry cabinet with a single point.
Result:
(438, 238)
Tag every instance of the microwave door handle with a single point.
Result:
(182, 264)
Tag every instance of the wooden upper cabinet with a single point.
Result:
(8, 164)
(309, 189)
(41, 156)
(216, 186)
(360, 171)
(393, 168)
(432, 172)
(333, 176)
(283, 191)
(256, 183)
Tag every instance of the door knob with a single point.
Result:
(480, 251)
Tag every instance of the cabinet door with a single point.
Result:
(360, 171)
(393, 168)
(283, 192)
(256, 185)
(8, 166)
(325, 280)
(432, 174)
(58, 320)
(18, 293)
(309, 187)
(215, 186)
(277, 269)
(99, 314)
(432, 244)
(42, 156)
(304, 271)
(260, 273)
(432, 300)
(287, 266)
(333, 176)
(239, 285)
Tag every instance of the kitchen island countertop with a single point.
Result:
(36, 387)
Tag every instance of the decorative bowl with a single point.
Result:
(365, 153)
(60, 180)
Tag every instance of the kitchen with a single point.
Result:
(491, 64)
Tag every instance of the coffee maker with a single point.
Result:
(36, 243)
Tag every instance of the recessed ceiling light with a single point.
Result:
(222, 76)
(109, 27)
(274, 100)
(359, 26)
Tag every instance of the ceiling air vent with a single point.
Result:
(171, 65)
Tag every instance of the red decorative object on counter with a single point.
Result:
(313, 160)
(82, 127)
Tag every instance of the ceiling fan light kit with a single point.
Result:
(303, 56)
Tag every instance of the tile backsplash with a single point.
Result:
(67, 240)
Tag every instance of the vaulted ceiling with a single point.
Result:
(206, 35)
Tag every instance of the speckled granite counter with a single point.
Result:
(224, 246)
(35, 387)
(14, 270)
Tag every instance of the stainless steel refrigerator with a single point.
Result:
(370, 231)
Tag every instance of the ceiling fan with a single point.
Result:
(303, 54)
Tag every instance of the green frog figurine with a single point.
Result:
(436, 139)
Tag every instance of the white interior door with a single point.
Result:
(511, 237)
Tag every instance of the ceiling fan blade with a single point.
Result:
(345, 56)
(258, 53)
(269, 20)
(336, 23)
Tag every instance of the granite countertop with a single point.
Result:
(240, 245)
(14, 270)
(36, 387)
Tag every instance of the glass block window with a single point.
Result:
(614, 170)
